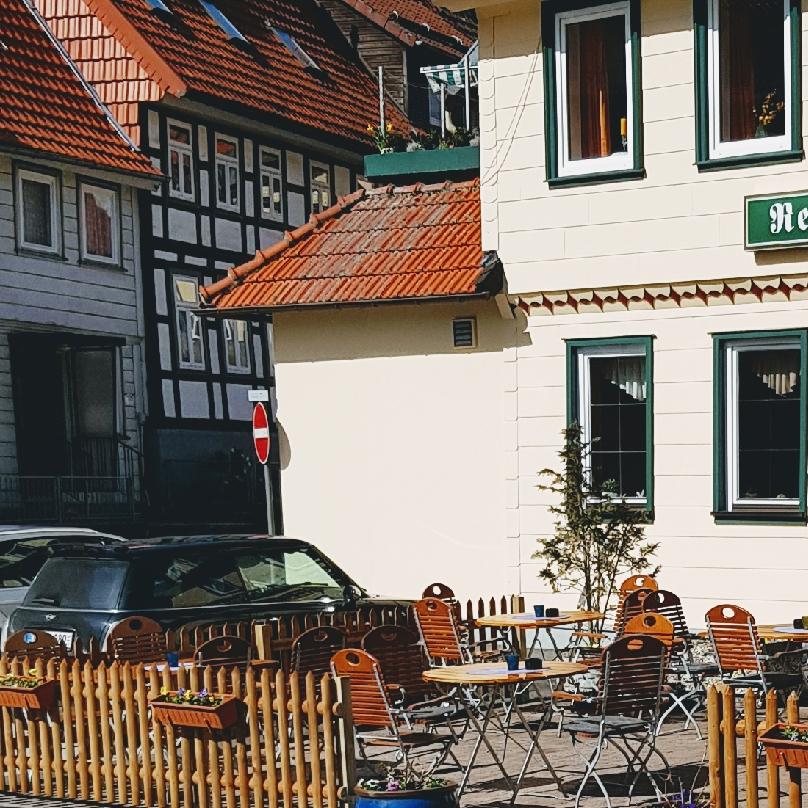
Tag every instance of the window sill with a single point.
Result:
(90, 262)
(750, 160)
(625, 175)
(757, 517)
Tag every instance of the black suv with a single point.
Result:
(182, 580)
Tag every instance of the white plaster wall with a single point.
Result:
(391, 443)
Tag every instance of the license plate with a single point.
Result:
(65, 637)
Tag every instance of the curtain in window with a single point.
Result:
(737, 71)
(594, 89)
(778, 370)
(629, 375)
(98, 224)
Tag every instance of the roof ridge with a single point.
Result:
(422, 188)
(236, 274)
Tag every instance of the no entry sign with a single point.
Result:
(260, 424)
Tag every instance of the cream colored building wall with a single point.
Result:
(391, 443)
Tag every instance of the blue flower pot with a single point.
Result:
(445, 797)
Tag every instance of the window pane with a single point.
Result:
(751, 69)
(233, 175)
(179, 134)
(186, 290)
(36, 213)
(319, 174)
(768, 423)
(605, 428)
(597, 94)
(270, 159)
(226, 147)
(221, 183)
(99, 216)
(175, 170)
(186, 174)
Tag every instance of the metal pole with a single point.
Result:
(268, 493)
(442, 110)
(467, 85)
(381, 97)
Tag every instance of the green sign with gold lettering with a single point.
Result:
(773, 222)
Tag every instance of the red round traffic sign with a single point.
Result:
(260, 425)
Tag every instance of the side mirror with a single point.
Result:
(350, 595)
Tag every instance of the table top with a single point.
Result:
(526, 620)
(497, 673)
(783, 632)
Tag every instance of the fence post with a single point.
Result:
(772, 771)
(794, 774)
(714, 747)
(347, 737)
(750, 747)
(730, 749)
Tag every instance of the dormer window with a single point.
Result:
(296, 50)
(221, 20)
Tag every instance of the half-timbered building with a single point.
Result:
(258, 114)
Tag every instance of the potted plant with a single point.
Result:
(202, 710)
(405, 789)
(31, 691)
(786, 745)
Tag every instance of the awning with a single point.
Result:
(453, 77)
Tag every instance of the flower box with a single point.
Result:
(221, 716)
(436, 797)
(40, 697)
(783, 751)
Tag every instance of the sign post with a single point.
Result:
(260, 427)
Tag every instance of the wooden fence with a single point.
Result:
(295, 747)
(737, 774)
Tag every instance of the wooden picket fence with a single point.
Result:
(295, 748)
(737, 774)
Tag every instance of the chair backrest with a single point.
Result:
(734, 637)
(34, 644)
(439, 630)
(440, 591)
(631, 584)
(651, 624)
(226, 650)
(137, 639)
(633, 672)
(312, 649)
(668, 604)
(631, 606)
(401, 657)
(369, 704)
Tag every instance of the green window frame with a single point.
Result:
(727, 507)
(706, 159)
(629, 346)
(553, 13)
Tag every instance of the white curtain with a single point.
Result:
(778, 370)
(628, 373)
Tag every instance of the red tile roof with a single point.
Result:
(413, 21)
(413, 242)
(46, 106)
(188, 53)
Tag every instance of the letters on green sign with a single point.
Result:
(776, 221)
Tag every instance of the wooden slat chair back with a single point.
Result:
(312, 649)
(439, 631)
(629, 585)
(369, 705)
(652, 624)
(631, 606)
(35, 644)
(734, 637)
(137, 639)
(401, 657)
(633, 672)
(668, 604)
(225, 651)
(439, 591)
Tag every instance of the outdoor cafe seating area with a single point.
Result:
(518, 705)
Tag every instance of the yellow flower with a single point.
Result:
(32, 672)
(370, 127)
(163, 691)
(389, 127)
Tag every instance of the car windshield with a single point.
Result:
(286, 575)
(73, 583)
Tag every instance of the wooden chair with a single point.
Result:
(137, 639)
(625, 714)
(312, 649)
(35, 644)
(439, 591)
(379, 723)
(631, 584)
(739, 652)
(224, 651)
(651, 624)
(401, 657)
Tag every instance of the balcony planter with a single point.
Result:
(38, 695)
(436, 797)
(429, 164)
(784, 751)
(197, 716)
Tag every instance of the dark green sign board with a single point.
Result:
(776, 221)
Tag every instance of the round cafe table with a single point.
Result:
(498, 685)
(526, 621)
(783, 632)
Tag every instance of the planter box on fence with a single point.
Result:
(782, 751)
(222, 716)
(42, 697)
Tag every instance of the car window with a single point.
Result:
(293, 573)
(78, 583)
(185, 581)
(21, 560)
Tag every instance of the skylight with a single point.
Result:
(294, 48)
(216, 15)
(158, 5)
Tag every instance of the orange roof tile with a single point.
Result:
(412, 242)
(198, 59)
(47, 108)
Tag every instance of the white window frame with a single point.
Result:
(115, 260)
(52, 181)
(738, 148)
(272, 173)
(732, 350)
(319, 185)
(621, 161)
(183, 150)
(228, 163)
(230, 335)
(584, 355)
(182, 309)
